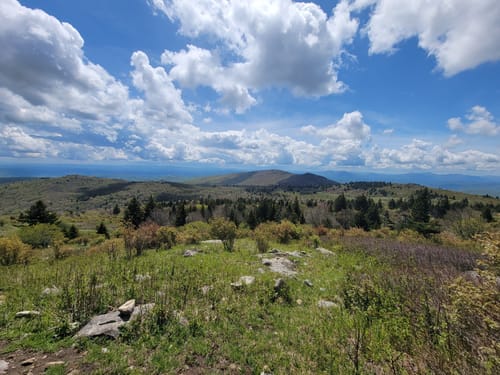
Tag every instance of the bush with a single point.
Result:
(141, 238)
(110, 247)
(193, 233)
(13, 251)
(225, 231)
(167, 237)
(261, 237)
(468, 228)
(41, 235)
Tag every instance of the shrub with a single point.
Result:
(261, 237)
(225, 231)
(166, 237)
(194, 232)
(286, 231)
(41, 235)
(111, 247)
(13, 251)
(468, 228)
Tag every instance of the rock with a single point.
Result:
(191, 253)
(322, 289)
(308, 283)
(104, 350)
(324, 251)
(51, 291)
(244, 280)
(2, 299)
(109, 324)
(205, 289)
(141, 278)
(215, 242)
(326, 304)
(261, 270)
(299, 302)
(266, 371)
(473, 277)
(127, 308)
(282, 266)
(279, 284)
(28, 314)
(28, 362)
(4, 366)
(55, 363)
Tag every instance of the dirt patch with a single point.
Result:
(24, 361)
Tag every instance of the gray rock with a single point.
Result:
(127, 308)
(279, 265)
(28, 362)
(205, 289)
(109, 324)
(54, 363)
(279, 284)
(214, 242)
(243, 281)
(308, 283)
(51, 291)
(141, 278)
(326, 304)
(324, 251)
(27, 314)
(473, 277)
(4, 366)
(190, 253)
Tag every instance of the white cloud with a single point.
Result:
(388, 131)
(460, 34)
(277, 43)
(479, 122)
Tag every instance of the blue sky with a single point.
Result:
(362, 85)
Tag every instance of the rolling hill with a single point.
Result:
(266, 178)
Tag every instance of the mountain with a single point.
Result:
(456, 182)
(266, 178)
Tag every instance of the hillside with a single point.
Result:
(266, 178)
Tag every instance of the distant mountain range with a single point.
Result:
(266, 178)
(458, 182)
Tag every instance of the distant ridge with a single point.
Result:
(266, 178)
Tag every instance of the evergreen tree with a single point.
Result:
(101, 229)
(487, 215)
(340, 203)
(116, 210)
(150, 206)
(133, 213)
(72, 232)
(38, 214)
(180, 215)
(421, 207)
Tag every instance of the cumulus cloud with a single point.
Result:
(276, 43)
(478, 122)
(460, 34)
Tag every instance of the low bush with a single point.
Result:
(13, 251)
(41, 235)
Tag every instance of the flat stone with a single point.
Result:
(308, 283)
(282, 266)
(324, 251)
(55, 363)
(109, 324)
(191, 253)
(247, 280)
(205, 289)
(27, 314)
(326, 304)
(141, 278)
(51, 291)
(4, 366)
(127, 308)
(215, 242)
(28, 362)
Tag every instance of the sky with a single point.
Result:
(355, 85)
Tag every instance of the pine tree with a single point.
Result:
(180, 215)
(38, 214)
(133, 213)
(150, 206)
(101, 229)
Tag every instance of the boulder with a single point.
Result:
(51, 291)
(308, 283)
(324, 251)
(127, 308)
(214, 242)
(191, 253)
(326, 304)
(4, 366)
(109, 324)
(279, 265)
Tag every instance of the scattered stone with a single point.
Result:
(282, 266)
(215, 242)
(4, 366)
(299, 302)
(110, 323)
(473, 277)
(244, 280)
(127, 308)
(55, 363)
(324, 251)
(308, 283)
(28, 362)
(326, 304)
(141, 278)
(261, 270)
(322, 289)
(205, 289)
(28, 314)
(190, 253)
(104, 350)
(51, 291)
(266, 371)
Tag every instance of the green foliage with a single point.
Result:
(72, 232)
(102, 229)
(38, 214)
(340, 203)
(421, 207)
(486, 215)
(467, 228)
(225, 231)
(167, 237)
(193, 232)
(41, 235)
(13, 251)
(134, 214)
(116, 210)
